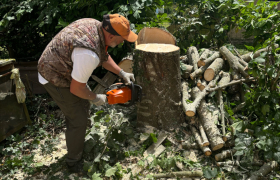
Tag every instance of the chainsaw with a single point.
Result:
(124, 95)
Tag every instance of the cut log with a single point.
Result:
(184, 59)
(185, 95)
(154, 35)
(202, 85)
(225, 154)
(232, 163)
(186, 70)
(213, 83)
(241, 61)
(193, 57)
(205, 149)
(209, 60)
(205, 54)
(157, 71)
(198, 95)
(213, 69)
(221, 102)
(187, 145)
(205, 141)
(197, 173)
(195, 74)
(247, 57)
(208, 119)
(224, 80)
(234, 63)
(264, 170)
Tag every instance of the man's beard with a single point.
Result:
(113, 44)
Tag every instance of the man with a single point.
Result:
(66, 65)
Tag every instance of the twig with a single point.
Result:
(231, 83)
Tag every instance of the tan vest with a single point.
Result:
(55, 64)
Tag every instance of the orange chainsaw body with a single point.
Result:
(119, 96)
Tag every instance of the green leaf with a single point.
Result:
(265, 109)
(259, 60)
(210, 173)
(96, 176)
(10, 18)
(238, 126)
(110, 172)
(154, 138)
(250, 48)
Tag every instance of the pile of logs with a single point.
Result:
(202, 74)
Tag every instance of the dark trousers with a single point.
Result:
(76, 111)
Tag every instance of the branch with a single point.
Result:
(231, 83)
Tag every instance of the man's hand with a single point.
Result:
(99, 100)
(127, 76)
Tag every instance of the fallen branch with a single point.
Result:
(202, 85)
(197, 173)
(209, 60)
(225, 154)
(234, 63)
(205, 149)
(221, 102)
(230, 84)
(207, 119)
(212, 83)
(198, 95)
(213, 69)
(264, 170)
(247, 57)
(205, 141)
(186, 70)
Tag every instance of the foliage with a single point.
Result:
(17, 151)
(27, 26)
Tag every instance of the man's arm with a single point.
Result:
(80, 90)
(110, 65)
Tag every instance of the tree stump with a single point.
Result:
(157, 70)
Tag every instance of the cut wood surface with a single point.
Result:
(208, 60)
(199, 95)
(208, 119)
(202, 85)
(154, 35)
(213, 69)
(126, 64)
(205, 149)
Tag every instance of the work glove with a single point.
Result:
(127, 77)
(99, 100)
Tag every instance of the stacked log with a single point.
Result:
(211, 71)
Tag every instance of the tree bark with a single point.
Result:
(264, 170)
(213, 69)
(205, 149)
(234, 63)
(212, 83)
(224, 154)
(187, 70)
(221, 102)
(193, 57)
(205, 141)
(198, 96)
(230, 84)
(247, 57)
(197, 173)
(207, 119)
(205, 54)
(208, 60)
(157, 71)
(224, 80)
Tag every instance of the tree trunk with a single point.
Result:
(157, 70)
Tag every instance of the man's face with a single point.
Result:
(116, 40)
